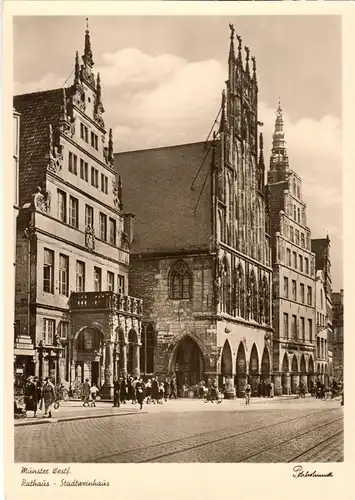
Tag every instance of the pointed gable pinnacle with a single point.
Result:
(223, 123)
(88, 57)
(110, 147)
(77, 69)
(254, 69)
(231, 47)
(239, 48)
(247, 69)
(261, 152)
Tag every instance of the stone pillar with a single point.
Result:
(136, 367)
(242, 380)
(60, 366)
(295, 382)
(72, 372)
(37, 364)
(107, 390)
(254, 381)
(277, 384)
(123, 363)
(229, 391)
(286, 384)
(103, 363)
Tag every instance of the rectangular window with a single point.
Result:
(288, 251)
(302, 292)
(96, 142)
(104, 184)
(301, 263)
(82, 135)
(286, 288)
(294, 290)
(120, 284)
(110, 281)
(97, 279)
(86, 134)
(73, 212)
(73, 166)
(291, 233)
(48, 331)
(297, 234)
(62, 206)
(286, 325)
(310, 330)
(89, 216)
(309, 296)
(306, 265)
(103, 226)
(48, 271)
(298, 215)
(294, 327)
(112, 224)
(84, 170)
(63, 275)
(64, 329)
(80, 276)
(92, 139)
(303, 331)
(302, 240)
(294, 260)
(94, 177)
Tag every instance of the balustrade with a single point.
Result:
(106, 300)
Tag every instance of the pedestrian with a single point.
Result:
(38, 385)
(48, 394)
(130, 396)
(161, 393)
(140, 392)
(134, 396)
(247, 392)
(201, 390)
(93, 393)
(86, 392)
(271, 389)
(148, 391)
(268, 388)
(31, 397)
(260, 388)
(155, 390)
(116, 392)
(173, 389)
(123, 390)
(166, 389)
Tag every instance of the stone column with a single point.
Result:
(136, 367)
(277, 384)
(60, 365)
(286, 385)
(295, 382)
(123, 362)
(37, 364)
(241, 383)
(107, 390)
(229, 391)
(72, 372)
(103, 363)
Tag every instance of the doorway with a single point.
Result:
(95, 372)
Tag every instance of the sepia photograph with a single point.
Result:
(178, 239)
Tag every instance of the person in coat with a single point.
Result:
(123, 390)
(38, 384)
(155, 390)
(173, 388)
(31, 397)
(86, 392)
(166, 389)
(116, 392)
(48, 394)
(140, 392)
(271, 389)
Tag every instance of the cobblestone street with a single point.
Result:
(190, 431)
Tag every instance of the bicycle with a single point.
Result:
(209, 398)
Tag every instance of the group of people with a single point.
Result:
(134, 389)
(266, 389)
(36, 394)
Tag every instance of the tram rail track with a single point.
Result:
(145, 449)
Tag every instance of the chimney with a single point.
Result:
(129, 226)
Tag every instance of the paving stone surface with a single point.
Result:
(187, 432)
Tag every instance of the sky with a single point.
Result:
(162, 79)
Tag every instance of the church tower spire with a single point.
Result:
(279, 164)
(88, 56)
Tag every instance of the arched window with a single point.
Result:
(180, 281)
(265, 302)
(148, 338)
(253, 297)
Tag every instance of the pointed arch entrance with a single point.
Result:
(89, 356)
(285, 379)
(311, 376)
(188, 363)
(227, 371)
(133, 353)
(303, 371)
(241, 370)
(254, 369)
(265, 365)
(295, 377)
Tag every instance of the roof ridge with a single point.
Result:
(163, 147)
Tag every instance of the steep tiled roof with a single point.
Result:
(37, 110)
(157, 189)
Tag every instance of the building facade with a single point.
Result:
(73, 238)
(293, 272)
(338, 335)
(324, 308)
(201, 257)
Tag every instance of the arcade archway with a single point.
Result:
(285, 379)
(227, 371)
(295, 377)
(265, 365)
(188, 365)
(241, 370)
(89, 356)
(254, 369)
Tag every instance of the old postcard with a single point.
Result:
(175, 280)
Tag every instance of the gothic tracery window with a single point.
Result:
(239, 291)
(253, 298)
(226, 287)
(180, 281)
